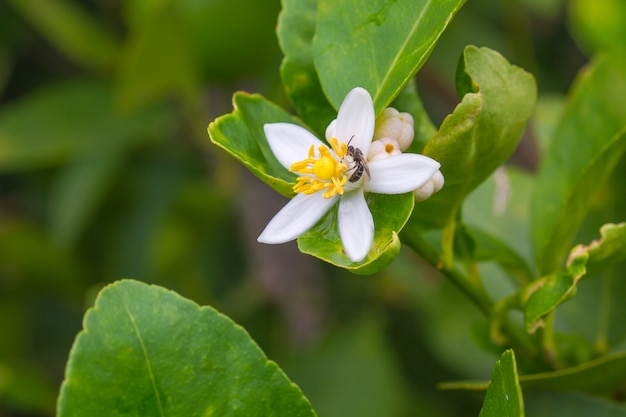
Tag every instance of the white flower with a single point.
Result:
(340, 174)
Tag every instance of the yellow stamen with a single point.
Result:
(321, 172)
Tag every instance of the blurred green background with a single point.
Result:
(106, 172)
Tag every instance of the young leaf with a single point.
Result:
(548, 292)
(378, 45)
(240, 133)
(481, 133)
(504, 395)
(296, 26)
(146, 351)
(605, 252)
(587, 145)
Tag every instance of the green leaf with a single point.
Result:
(504, 395)
(548, 292)
(481, 133)
(587, 145)
(240, 133)
(598, 24)
(296, 26)
(605, 252)
(146, 351)
(72, 30)
(378, 45)
(390, 213)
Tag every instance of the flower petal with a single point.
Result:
(290, 143)
(356, 225)
(400, 173)
(298, 216)
(356, 119)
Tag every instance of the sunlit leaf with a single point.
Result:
(587, 145)
(378, 45)
(147, 351)
(481, 133)
(504, 395)
(240, 133)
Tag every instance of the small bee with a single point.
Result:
(359, 163)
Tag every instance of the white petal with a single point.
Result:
(290, 143)
(356, 225)
(298, 216)
(355, 120)
(400, 174)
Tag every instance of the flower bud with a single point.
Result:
(383, 148)
(433, 185)
(393, 124)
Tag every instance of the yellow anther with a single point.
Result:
(322, 171)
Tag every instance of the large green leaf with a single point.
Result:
(587, 145)
(240, 133)
(296, 26)
(390, 213)
(481, 133)
(146, 351)
(504, 395)
(378, 45)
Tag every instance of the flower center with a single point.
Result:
(322, 171)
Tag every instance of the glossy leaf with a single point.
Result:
(481, 133)
(504, 395)
(547, 293)
(378, 45)
(168, 356)
(587, 145)
(296, 26)
(240, 133)
(390, 213)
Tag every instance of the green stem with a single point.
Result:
(548, 346)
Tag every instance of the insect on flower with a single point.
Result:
(359, 163)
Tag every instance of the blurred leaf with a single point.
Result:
(402, 33)
(353, 373)
(607, 251)
(550, 291)
(66, 25)
(296, 26)
(240, 133)
(491, 248)
(587, 145)
(550, 404)
(483, 131)
(39, 130)
(598, 25)
(158, 61)
(390, 213)
(26, 389)
(504, 395)
(168, 356)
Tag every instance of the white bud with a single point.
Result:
(393, 124)
(383, 148)
(433, 185)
